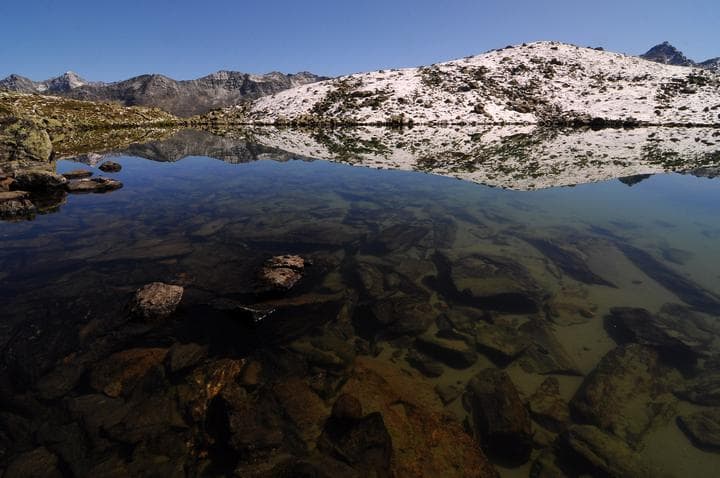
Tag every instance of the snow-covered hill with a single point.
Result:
(542, 82)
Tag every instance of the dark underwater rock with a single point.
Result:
(547, 407)
(687, 290)
(677, 332)
(604, 453)
(568, 261)
(626, 393)
(702, 428)
(499, 417)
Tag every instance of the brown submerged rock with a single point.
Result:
(499, 417)
(547, 407)
(425, 441)
(38, 463)
(120, 372)
(363, 443)
(627, 393)
(702, 428)
(156, 301)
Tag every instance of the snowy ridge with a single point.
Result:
(511, 157)
(536, 83)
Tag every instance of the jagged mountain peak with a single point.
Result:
(667, 54)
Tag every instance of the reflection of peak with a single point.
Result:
(513, 157)
(633, 180)
(191, 142)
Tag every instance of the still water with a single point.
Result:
(598, 301)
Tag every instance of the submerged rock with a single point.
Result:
(501, 344)
(545, 354)
(702, 428)
(110, 167)
(702, 390)
(547, 407)
(455, 353)
(569, 261)
(626, 393)
(425, 441)
(156, 301)
(499, 417)
(676, 331)
(120, 372)
(38, 463)
(93, 185)
(362, 442)
(605, 453)
(16, 205)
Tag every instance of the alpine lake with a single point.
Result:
(369, 302)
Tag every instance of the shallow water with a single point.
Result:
(395, 255)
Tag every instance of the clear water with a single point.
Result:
(66, 277)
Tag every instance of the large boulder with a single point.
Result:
(156, 301)
(362, 442)
(23, 140)
(119, 373)
(426, 441)
(499, 417)
(676, 331)
(38, 180)
(627, 393)
(547, 407)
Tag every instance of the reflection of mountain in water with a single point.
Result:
(190, 142)
(513, 157)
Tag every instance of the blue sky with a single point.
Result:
(112, 40)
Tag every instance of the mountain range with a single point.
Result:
(180, 97)
(224, 88)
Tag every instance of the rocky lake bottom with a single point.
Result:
(246, 311)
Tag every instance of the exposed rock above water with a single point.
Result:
(156, 301)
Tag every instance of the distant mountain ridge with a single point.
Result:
(667, 54)
(180, 97)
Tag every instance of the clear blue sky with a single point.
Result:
(112, 40)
